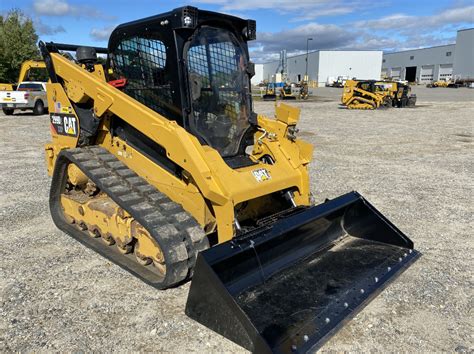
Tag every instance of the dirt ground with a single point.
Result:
(414, 165)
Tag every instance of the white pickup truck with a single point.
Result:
(28, 95)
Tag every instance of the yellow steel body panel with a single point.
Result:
(212, 188)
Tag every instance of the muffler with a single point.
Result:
(292, 283)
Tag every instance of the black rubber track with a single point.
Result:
(176, 231)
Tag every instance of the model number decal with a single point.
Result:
(261, 175)
(64, 124)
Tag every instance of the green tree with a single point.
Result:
(17, 43)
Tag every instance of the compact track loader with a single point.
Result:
(269, 94)
(25, 69)
(372, 94)
(159, 164)
(286, 93)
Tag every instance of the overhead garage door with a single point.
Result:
(427, 73)
(445, 72)
(396, 73)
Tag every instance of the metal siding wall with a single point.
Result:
(464, 57)
(297, 66)
(258, 77)
(269, 70)
(421, 57)
(324, 64)
(359, 64)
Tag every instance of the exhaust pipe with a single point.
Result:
(292, 283)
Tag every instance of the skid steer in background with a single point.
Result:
(444, 83)
(159, 163)
(269, 94)
(286, 92)
(372, 94)
(24, 74)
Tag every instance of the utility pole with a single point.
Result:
(307, 52)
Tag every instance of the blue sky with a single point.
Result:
(282, 24)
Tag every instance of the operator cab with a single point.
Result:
(191, 66)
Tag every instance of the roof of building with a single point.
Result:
(324, 50)
(466, 29)
(411, 50)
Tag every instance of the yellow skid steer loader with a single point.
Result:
(372, 94)
(160, 164)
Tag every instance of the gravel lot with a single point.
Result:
(414, 165)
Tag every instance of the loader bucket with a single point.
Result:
(269, 97)
(288, 286)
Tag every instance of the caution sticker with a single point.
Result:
(64, 124)
(261, 175)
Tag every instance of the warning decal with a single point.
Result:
(64, 124)
(261, 174)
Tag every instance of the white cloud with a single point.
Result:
(303, 9)
(101, 34)
(64, 8)
(398, 31)
(401, 22)
(44, 29)
(293, 40)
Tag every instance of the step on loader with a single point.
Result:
(372, 94)
(160, 164)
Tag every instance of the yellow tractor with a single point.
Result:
(269, 94)
(160, 164)
(372, 94)
(286, 92)
(444, 84)
(24, 73)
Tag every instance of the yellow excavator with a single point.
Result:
(373, 94)
(160, 164)
(24, 72)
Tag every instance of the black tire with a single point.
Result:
(39, 108)
(8, 111)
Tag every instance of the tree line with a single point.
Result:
(18, 42)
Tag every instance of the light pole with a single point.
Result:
(307, 51)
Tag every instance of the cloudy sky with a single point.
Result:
(387, 25)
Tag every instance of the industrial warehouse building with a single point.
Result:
(324, 65)
(453, 61)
